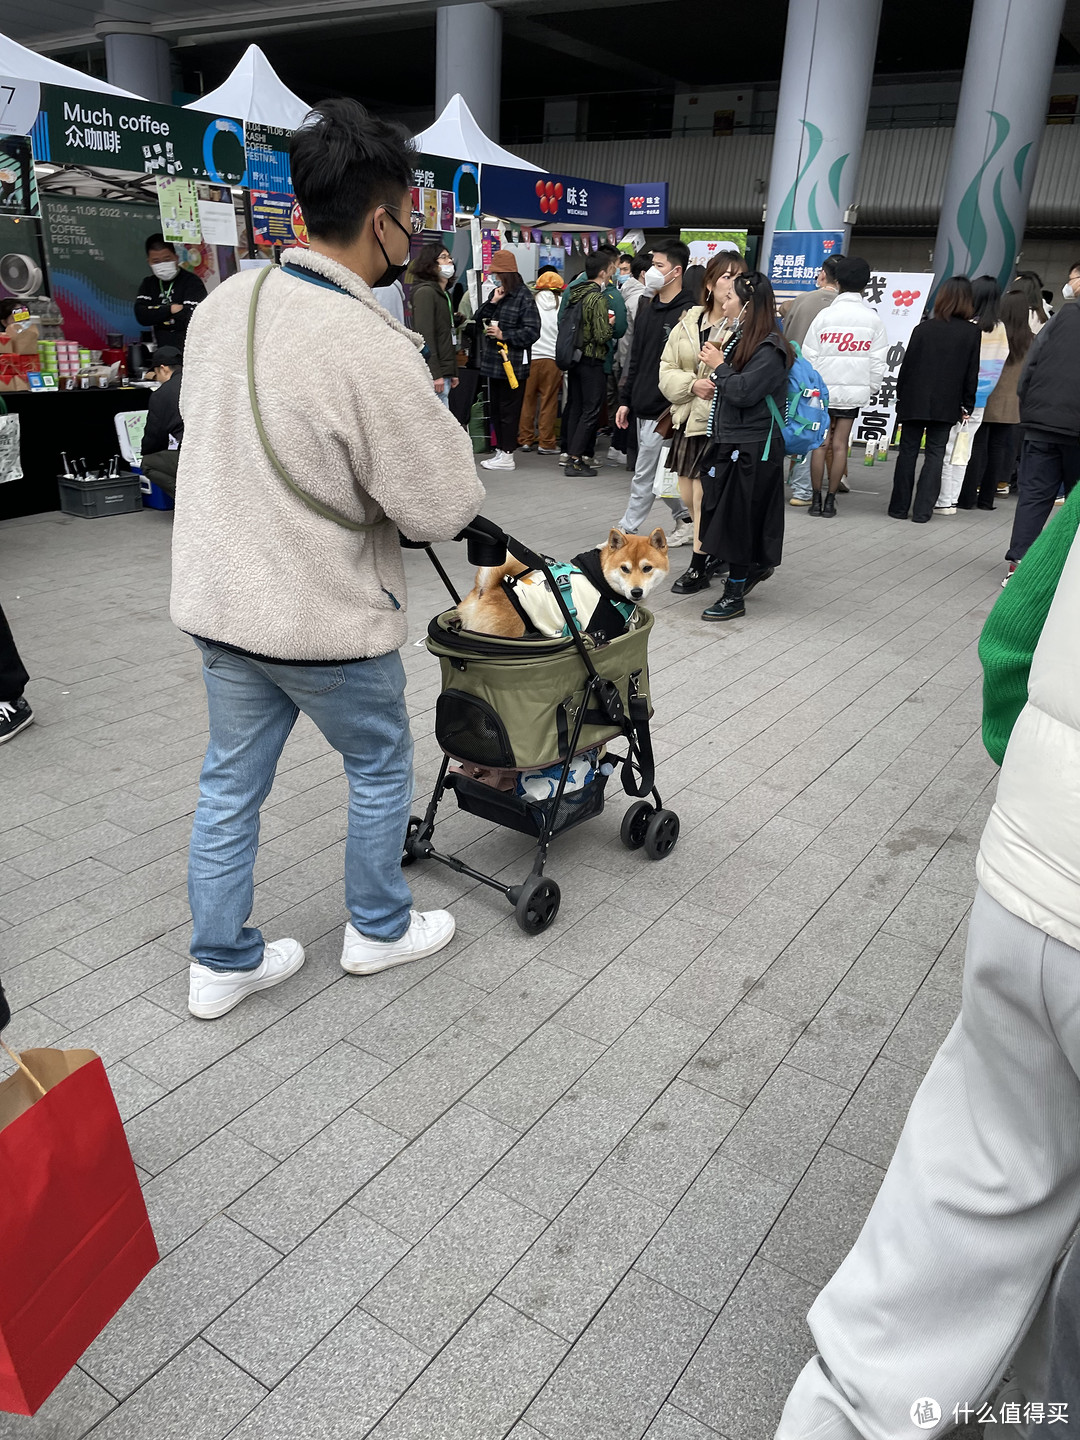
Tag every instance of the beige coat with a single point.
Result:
(349, 407)
(679, 368)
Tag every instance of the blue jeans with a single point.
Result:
(799, 479)
(444, 393)
(253, 705)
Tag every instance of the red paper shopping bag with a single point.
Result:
(75, 1239)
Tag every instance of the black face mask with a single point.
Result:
(392, 272)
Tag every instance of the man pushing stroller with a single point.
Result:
(287, 570)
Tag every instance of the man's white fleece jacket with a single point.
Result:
(348, 405)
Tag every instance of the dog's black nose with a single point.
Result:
(636, 593)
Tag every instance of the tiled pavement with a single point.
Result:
(581, 1186)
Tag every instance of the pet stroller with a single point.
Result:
(540, 711)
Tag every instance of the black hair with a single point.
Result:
(693, 282)
(953, 300)
(1074, 267)
(640, 263)
(756, 294)
(8, 308)
(547, 270)
(829, 265)
(509, 281)
(1016, 317)
(674, 251)
(611, 251)
(426, 264)
(1031, 284)
(852, 273)
(596, 264)
(345, 163)
(986, 297)
(158, 242)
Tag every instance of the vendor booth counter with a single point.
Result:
(75, 422)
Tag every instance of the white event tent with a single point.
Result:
(22, 64)
(254, 92)
(456, 135)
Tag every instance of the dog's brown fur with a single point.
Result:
(632, 564)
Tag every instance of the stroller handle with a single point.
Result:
(486, 542)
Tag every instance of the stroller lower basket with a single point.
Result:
(529, 817)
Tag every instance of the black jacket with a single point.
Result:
(519, 320)
(653, 323)
(154, 302)
(163, 416)
(742, 411)
(940, 373)
(432, 312)
(1049, 387)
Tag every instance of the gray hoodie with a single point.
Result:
(631, 291)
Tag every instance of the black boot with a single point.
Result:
(576, 468)
(694, 578)
(829, 508)
(815, 504)
(730, 605)
(756, 576)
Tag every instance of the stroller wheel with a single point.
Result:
(635, 824)
(537, 904)
(662, 835)
(408, 856)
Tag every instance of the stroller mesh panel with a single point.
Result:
(468, 728)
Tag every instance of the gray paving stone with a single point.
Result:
(435, 1288)
(297, 1196)
(199, 1395)
(929, 915)
(69, 1413)
(480, 1383)
(95, 992)
(921, 1030)
(531, 1078)
(408, 1023)
(124, 1031)
(783, 1128)
(269, 1330)
(521, 1004)
(434, 1171)
(581, 1257)
(133, 1092)
(36, 979)
(201, 1184)
(612, 1001)
(616, 1377)
(705, 1245)
(673, 1424)
(35, 897)
(340, 1389)
(414, 1095)
(178, 1299)
(190, 1114)
(874, 1116)
(301, 1107)
(671, 1143)
(742, 1053)
(740, 1377)
(823, 1218)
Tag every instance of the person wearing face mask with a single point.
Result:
(296, 479)
(168, 296)
(433, 315)
(639, 389)
(1071, 289)
(742, 510)
(510, 325)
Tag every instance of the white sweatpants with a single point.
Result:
(952, 476)
(982, 1194)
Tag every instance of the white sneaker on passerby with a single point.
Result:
(683, 534)
(213, 993)
(428, 931)
(501, 460)
(940, 509)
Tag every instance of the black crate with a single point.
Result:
(94, 498)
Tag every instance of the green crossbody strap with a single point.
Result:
(279, 469)
(777, 419)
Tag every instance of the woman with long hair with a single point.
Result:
(993, 451)
(433, 315)
(510, 323)
(684, 380)
(935, 388)
(993, 352)
(1030, 285)
(742, 510)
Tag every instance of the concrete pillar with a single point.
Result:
(821, 116)
(138, 60)
(1000, 123)
(468, 60)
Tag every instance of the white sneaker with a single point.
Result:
(683, 534)
(428, 932)
(940, 509)
(213, 993)
(501, 460)
(845, 488)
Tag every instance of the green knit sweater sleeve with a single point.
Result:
(1014, 625)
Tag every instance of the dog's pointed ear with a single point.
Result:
(658, 539)
(616, 540)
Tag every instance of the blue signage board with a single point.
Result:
(797, 256)
(549, 199)
(645, 203)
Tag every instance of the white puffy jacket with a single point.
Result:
(1029, 857)
(547, 302)
(847, 345)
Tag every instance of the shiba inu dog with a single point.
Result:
(602, 586)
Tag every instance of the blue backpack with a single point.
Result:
(805, 422)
